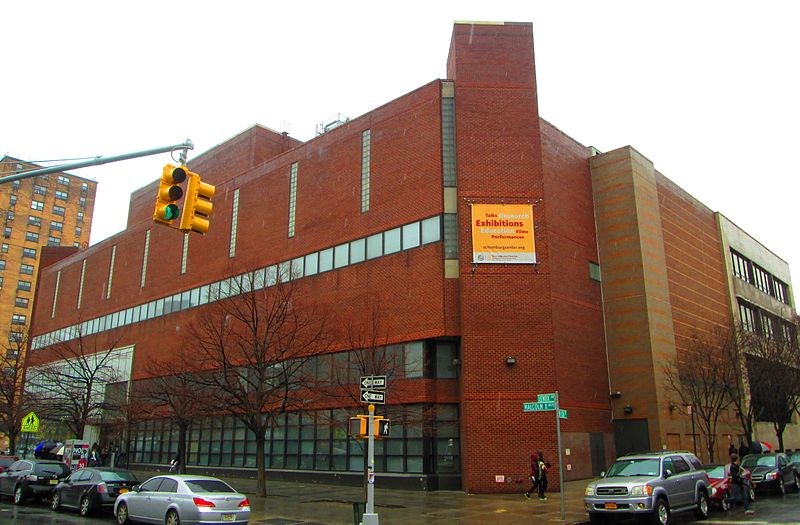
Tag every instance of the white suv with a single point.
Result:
(650, 485)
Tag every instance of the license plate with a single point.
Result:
(123, 491)
(610, 506)
(54, 482)
(228, 517)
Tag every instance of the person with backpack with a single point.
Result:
(543, 468)
(738, 484)
(534, 475)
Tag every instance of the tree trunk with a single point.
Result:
(183, 429)
(261, 490)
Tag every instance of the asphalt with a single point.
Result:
(301, 503)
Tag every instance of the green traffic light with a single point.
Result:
(171, 212)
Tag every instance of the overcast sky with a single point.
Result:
(709, 91)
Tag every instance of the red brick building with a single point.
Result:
(384, 210)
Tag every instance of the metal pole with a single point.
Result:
(100, 160)
(694, 437)
(560, 458)
(370, 517)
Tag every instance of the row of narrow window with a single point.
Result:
(750, 272)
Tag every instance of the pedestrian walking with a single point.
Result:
(741, 492)
(175, 463)
(543, 468)
(534, 475)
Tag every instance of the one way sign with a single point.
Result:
(373, 397)
(377, 382)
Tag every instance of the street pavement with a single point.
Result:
(317, 504)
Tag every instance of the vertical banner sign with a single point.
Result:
(503, 234)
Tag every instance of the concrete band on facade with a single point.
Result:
(478, 339)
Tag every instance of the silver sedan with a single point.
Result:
(183, 499)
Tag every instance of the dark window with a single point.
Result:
(62, 195)
(32, 236)
(740, 266)
(26, 269)
(24, 286)
(59, 210)
(29, 252)
(34, 221)
(21, 302)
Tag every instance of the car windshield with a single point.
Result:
(635, 467)
(753, 461)
(50, 469)
(208, 485)
(716, 471)
(106, 475)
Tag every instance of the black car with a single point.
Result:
(771, 472)
(92, 488)
(32, 478)
(794, 459)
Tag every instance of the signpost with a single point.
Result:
(30, 425)
(372, 391)
(546, 403)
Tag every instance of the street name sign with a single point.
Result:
(562, 413)
(373, 397)
(538, 407)
(546, 398)
(374, 382)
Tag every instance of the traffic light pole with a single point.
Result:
(370, 517)
(184, 146)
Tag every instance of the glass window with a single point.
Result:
(446, 360)
(312, 263)
(297, 268)
(24, 286)
(374, 246)
(39, 190)
(391, 241)
(18, 319)
(37, 205)
(56, 226)
(26, 252)
(34, 221)
(413, 359)
(341, 256)
(326, 260)
(62, 195)
(32, 236)
(63, 180)
(26, 269)
(59, 210)
(284, 270)
(358, 250)
(431, 230)
(411, 238)
(271, 275)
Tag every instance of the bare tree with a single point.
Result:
(70, 387)
(13, 405)
(255, 340)
(699, 378)
(175, 390)
(767, 384)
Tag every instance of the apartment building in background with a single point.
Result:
(509, 260)
(48, 210)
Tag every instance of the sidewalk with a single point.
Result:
(310, 503)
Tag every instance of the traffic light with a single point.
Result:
(169, 191)
(358, 426)
(197, 205)
(381, 427)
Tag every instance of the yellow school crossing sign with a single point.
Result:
(30, 423)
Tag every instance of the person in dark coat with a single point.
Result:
(743, 449)
(534, 475)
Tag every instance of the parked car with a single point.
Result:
(650, 485)
(794, 459)
(721, 485)
(6, 461)
(771, 472)
(182, 498)
(32, 478)
(92, 488)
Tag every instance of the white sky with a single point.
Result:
(707, 90)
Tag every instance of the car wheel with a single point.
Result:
(122, 514)
(661, 514)
(701, 511)
(55, 502)
(752, 493)
(725, 504)
(19, 495)
(781, 487)
(86, 506)
(172, 518)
